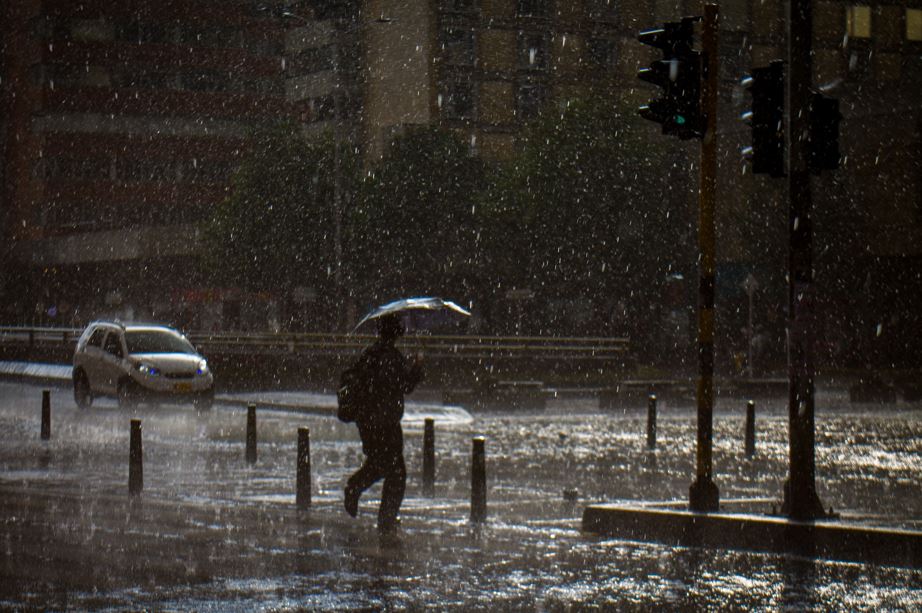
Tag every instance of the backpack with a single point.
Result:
(354, 393)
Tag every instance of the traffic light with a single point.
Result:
(824, 133)
(679, 74)
(766, 118)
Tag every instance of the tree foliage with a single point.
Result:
(414, 226)
(581, 183)
(276, 228)
(581, 210)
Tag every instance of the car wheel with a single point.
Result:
(83, 395)
(204, 401)
(127, 395)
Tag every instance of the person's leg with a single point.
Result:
(361, 480)
(395, 484)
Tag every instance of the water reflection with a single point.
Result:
(211, 532)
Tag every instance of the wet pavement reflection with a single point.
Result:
(212, 532)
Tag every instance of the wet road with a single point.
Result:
(211, 532)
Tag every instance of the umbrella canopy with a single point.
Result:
(408, 305)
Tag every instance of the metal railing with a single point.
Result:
(448, 346)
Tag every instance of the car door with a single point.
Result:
(92, 359)
(112, 361)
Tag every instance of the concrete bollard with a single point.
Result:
(135, 460)
(46, 415)
(303, 496)
(651, 422)
(429, 457)
(251, 434)
(478, 480)
(750, 429)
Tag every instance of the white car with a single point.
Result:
(136, 362)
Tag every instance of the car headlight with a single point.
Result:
(147, 369)
(202, 368)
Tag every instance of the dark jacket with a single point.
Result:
(392, 378)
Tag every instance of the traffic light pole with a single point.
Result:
(703, 494)
(800, 498)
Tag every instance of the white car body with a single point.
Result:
(135, 362)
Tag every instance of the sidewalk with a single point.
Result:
(314, 403)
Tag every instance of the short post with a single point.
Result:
(251, 434)
(135, 460)
(478, 480)
(303, 497)
(46, 415)
(750, 429)
(651, 422)
(429, 457)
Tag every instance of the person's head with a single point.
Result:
(390, 327)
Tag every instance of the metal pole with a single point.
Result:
(251, 434)
(800, 498)
(651, 422)
(46, 415)
(703, 494)
(478, 480)
(135, 460)
(303, 495)
(429, 457)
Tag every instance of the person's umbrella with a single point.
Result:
(409, 306)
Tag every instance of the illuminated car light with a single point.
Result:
(147, 369)
(202, 368)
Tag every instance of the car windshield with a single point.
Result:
(156, 341)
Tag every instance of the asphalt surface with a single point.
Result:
(212, 532)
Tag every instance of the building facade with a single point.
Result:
(123, 122)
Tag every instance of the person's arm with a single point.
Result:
(411, 373)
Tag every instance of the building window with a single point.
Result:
(459, 6)
(142, 79)
(458, 46)
(533, 51)
(457, 101)
(322, 108)
(601, 52)
(858, 21)
(138, 32)
(129, 170)
(313, 60)
(197, 170)
(532, 8)
(603, 10)
(206, 81)
(77, 169)
(914, 24)
(530, 100)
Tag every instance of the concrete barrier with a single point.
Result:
(750, 434)
(251, 434)
(429, 457)
(46, 415)
(828, 539)
(135, 460)
(651, 422)
(303, 492)
(478, 480)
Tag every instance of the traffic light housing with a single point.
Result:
(766, 119)
(678, 110)
(824, 133)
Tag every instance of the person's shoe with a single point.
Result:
(351, 501)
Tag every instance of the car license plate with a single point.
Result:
(182, 387)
